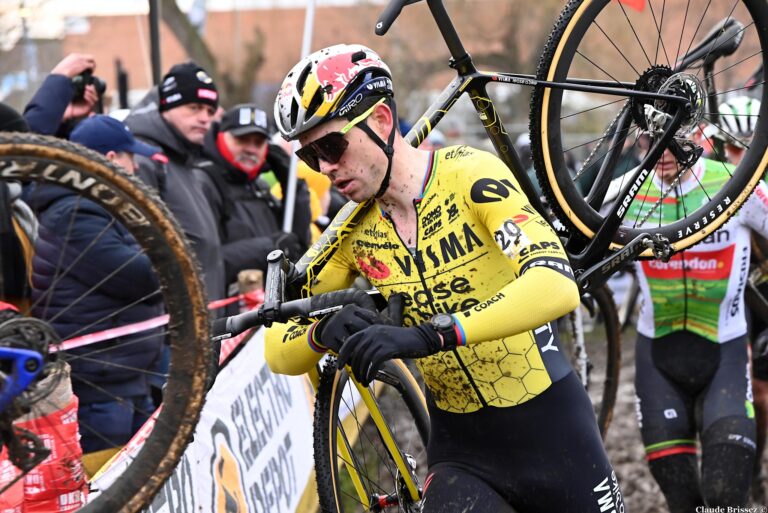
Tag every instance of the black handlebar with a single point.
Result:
(390, 14)
(275, 309)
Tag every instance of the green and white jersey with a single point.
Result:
(700, 290)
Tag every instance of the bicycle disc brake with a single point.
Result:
(403, 497)
(683, 85)
(35, 335)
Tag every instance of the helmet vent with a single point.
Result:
(357, 56)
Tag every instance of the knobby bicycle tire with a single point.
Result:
(598, 323)
(616, 42)
(400, 401)
(41, 162)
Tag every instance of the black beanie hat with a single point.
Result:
(187, 83)
(11, 121)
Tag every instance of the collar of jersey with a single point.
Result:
(429, 174)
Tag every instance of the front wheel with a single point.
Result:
(370, 443)
(591, 338)
(641, 45)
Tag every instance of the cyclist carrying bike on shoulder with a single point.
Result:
(692, 371)
(483, 277)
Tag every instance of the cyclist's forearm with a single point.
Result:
(510, 311)
(287, 349)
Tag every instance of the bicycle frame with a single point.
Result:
(592, 262)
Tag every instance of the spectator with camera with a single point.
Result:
(69, 94)
(177, 123)
(248, 215)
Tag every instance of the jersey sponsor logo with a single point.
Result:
(461, 151)
(699, 265)
(373, 232)
(431, 222)
(511, 238)
(375, 245)
(453, 211)
(439, 298)
(544, 246)
(488, 190)
(447, 249)
(720, 236)
(485, 304)
(609, 498)
(557, 264)
(545, 338)
(760, 193)
(373, 268)
(735, 307)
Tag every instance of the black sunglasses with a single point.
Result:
(329, 148)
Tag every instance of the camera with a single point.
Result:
(87, 78)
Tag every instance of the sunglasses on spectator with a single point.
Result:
(330, 147)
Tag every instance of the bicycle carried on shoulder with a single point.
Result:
(643, 77)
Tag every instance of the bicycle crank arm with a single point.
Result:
(599, 273)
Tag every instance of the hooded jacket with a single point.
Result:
(249, 217)
(181, 191)
(79, 248)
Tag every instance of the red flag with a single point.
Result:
(637, 5)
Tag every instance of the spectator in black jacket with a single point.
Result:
(53, 110)
(248, 215)
(89, 274)
(188, 100)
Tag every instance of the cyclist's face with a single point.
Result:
(667, 168)
(358, 172)
(191, 119)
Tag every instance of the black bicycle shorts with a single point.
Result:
(684, 384)
(541, 456)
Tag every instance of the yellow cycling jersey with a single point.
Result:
(482, 254)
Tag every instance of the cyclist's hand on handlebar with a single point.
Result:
(333, 330)
(367, 350)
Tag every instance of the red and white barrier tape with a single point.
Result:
(256, 298)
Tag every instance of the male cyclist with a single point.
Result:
(483, 275)
(692, 370)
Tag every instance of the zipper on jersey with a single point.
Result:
(419, 262)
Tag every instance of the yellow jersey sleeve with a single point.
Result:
(544, 288)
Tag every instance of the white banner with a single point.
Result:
(252, 450)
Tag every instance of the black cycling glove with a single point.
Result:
(366, 351)
(333, 330)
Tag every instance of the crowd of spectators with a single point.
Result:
(207, 163)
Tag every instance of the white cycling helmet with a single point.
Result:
(738, 117)
(329, 84)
